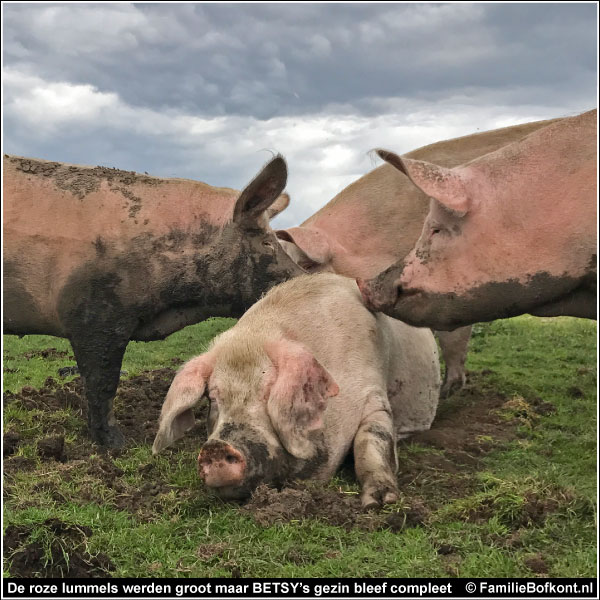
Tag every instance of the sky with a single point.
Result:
(210, 91)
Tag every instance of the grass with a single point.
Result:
(533, 497)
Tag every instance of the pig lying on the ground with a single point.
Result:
(102, 256)
(511, 232)
(377, 220)
(305, 376)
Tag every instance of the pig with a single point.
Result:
(102, 256)
(376, 221)
(305, 376)
(511, 232)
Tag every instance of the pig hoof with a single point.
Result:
(375, 497)
(452, 385)
(110, 437)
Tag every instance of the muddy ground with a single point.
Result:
(468, 426)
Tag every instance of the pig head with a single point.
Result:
(511, 232)
(266, 418)
(102, 256)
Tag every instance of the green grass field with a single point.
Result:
(511, 494)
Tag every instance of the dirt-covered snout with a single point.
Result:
(220, 464)
(265, 425)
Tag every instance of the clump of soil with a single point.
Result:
(11, 441)
(536, 563)
(541, 407)
(312, 500)
(17, 463)
(144, 501)
(302, 501)
(206, 552)
(63, 554)
(575, 392)
(52, 448)
(416, 513)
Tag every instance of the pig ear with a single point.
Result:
(280, 204)
(312, 242)
(297, 396)
(261, 193)
(447, 186)
(176, 415)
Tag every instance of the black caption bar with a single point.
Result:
(299, 588)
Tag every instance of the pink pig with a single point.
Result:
(102, 256)
(307, 375)
(511, 232)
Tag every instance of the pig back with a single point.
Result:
(377, 219)
(324, 312)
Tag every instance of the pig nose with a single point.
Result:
(220, 464)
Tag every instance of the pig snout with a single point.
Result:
(221, 465)
(377, 296)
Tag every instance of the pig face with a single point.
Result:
(265, 421)
(483, 253)
(248, 247)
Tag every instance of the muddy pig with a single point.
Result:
(102, 256)
(376, 221)
(508, 233)
(307, 375)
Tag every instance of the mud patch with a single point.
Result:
(79, 180)
(137, 405)
(52, 549)
(92, 468)
(302, 500)
(17, 463)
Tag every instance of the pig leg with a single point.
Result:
(454, 345)
(375, 457)
(99, 360)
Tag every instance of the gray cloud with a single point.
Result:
(271, 60)
(201, 90)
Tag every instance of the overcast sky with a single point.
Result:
(205, 90)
